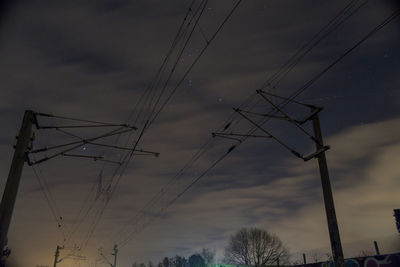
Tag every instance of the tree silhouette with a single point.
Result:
(254, 246)
(165, 262)
(196, 261)
(208, 256)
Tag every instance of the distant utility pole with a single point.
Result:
(336, 245)
(115, 249)
(376, 248)
(68, 256)
(115, 255)
(57, 254)
(22, 146)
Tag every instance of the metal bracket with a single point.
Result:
(316, 153)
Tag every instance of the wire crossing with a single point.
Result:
(284, 102)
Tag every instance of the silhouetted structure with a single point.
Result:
(397, 218)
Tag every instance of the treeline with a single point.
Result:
(201, 259)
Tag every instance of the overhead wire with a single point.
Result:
(348, 51)
(275, 75)
(213, 36)
(196, 60)
(180, 194)
(129, 156)
(162, 105)
(200, 11)
(338, 20)
(284, 103)
(200, 152)
(156, 198)
(113, 187)
(172, 181)
(51, 204)
(139, 216)
(146, 92)
(75, 145)
(309, 83)
(175, 42)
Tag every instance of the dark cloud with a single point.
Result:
(93, 60)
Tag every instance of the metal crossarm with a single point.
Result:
(316, 153)
(265, 115)
(259, 91)
(82, 156)
(81, 120)
(84, 126)
(78, 144)
(81, 142)
(147, 152)
(285, 115)
(294, 152)
(228, 136)
(111, 146)
(68, 133)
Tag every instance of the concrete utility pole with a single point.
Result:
(24, 139)
(56, 255)
(334, 235)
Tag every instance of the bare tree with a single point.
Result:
(254, 246)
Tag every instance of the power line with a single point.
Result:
(283, 104)
(366, 37)
(163, 190)
(200, 10)
(196, 60)
(229, 123)
(338, 20)
(129, 156)
(50, 202)
(171, 202)
(124, 159)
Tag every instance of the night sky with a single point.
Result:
(96, 60)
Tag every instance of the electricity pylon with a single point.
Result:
(336, 246)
